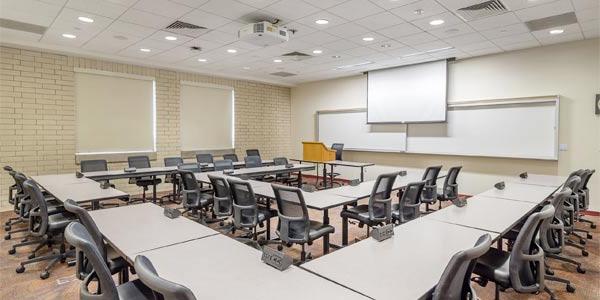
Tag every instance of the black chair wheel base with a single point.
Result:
(580, 270)
(44, 275)
(31, 256)
(570, 288)
(589, 236)
(12, 251)
(20, 269)
(584, 253)
(593, 226)
(7, 237)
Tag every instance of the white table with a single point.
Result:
(135, 228)
(406, 266)
(540, 179)
(521, 192)
(333, 163)
(218, 267)
(486, 213)
(56, 179)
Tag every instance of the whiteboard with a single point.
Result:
(503, 128)
(408, 94)
(350, 127)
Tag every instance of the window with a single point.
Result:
(115, 112)
(207, 121)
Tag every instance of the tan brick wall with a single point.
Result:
(37, 113)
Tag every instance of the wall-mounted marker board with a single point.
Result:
(515, 128)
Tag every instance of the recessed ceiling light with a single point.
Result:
(317, 51)
(145, 50)
(419, 12)
(170, 38)
(436, 22)
(368, 39)
(385, 45)
(69, 36)
(335, 56)
(322, 22)
(202, 60)
(277, 60)
(231, 50)
(86, 19)
(557, 31)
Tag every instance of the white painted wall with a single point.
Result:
(570, 70)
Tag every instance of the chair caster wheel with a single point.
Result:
(570, 288)
(580, 270)
(582, 242)
(221, 223)
(31, 256)
(584, 253)
(20, 269)
(12, 251)
(593, 226)
(549, 272)
(589, 236)
(279, 247)
(7, 237)
(6, 228)
(44, 275)
(71, 263)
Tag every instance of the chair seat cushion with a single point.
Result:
(494, 266)
(115, 261)
(59, 221)
(318, 229)
(134, 290)
(361, 213)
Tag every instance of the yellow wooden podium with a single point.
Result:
(317, 152)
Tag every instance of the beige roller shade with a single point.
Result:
(206, 117)
(115, 112)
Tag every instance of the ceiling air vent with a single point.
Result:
(27, 27)
(186, 29)
(552, 21)
(482, 10)
(283, 74)
(296, 56)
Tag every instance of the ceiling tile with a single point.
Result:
(355, 9)
(227, 8)
(98, 7)
(521, 4)
(323, 4)
(204, 19)
(520, 45)
(485, 51)
(401, 52)
(162, 8)
(130, 29)
(568, 30)
(379, 21)
(590, 25)
(258, 3)
(322, 15)
(296, 45)
(419, 38)
(204, 44)
(190, 3)
(475, 46)
(448, 18)
(233, 27)
(67, 22)
(18, 35)
(434, 45)
(319, 38)
(360, 51)
(29, 11)
(591, 33)
(513, 39)
(298, 29)
(340, 45)
(145, 19)
(588, 14)
(347, 30)
(389, 4)
(505, 31)
(585, 4)
(386, 45)
(54, 36)
(176, 54)
(465, 39)
(377, 38)
(219, 37)
(495, 21)
(400, 30)
(546, 10)
(161, 34)
(429, 7)
(107, 43)
(453, 30)
(291, 9)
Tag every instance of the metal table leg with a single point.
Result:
(326, 237)
(345, 229)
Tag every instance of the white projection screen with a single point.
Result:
(408, 94)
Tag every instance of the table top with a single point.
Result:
(364, 189)
(405, 266)
(199, 265)
(271, 170)
(540, 179)
(122, 174)
(485, 213)
(521, 192)
(319, 200)
(80, 190)
(135, 228)
(349, 163)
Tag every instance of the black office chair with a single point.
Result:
(11, 189)
(379, 209)
(247, 214)
(46, 226)
(16, 195)
(455, 282)
(339, 151)
(97, 165)
(116, 264)
(408, 207)
(193, 198)
(224, 164)
(253, 161)
(173, 177)
(141, 162)
(285, 178)
(569, 216)
(252, 152)
(163, 289)
(450, 192)
(295, 226)
(521, 269)
(584, 198)
(222, 202)
(106, 289)
(231, 156)
(204, 158)
(429, 195)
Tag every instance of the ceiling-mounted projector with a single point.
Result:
(263, 34)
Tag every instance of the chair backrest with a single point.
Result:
(21, 197)
(139, 162)
(339, 150)
(38, 215)
(380, 201)
(222, 205)
(204, 158)
(252, 152)
(93, 165)
(231, 156)
(455, 282)
(410, 201)
(253, 161)
(430, 177)
(280, 161)
(526, 265)
(294, 222)
(188, 180)
(224, 164)
(78, 236)
(173, 161)
(589, 174)
(450, 184)
(7, 168)
(551, 231)
(162, 288)
(245, 210)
